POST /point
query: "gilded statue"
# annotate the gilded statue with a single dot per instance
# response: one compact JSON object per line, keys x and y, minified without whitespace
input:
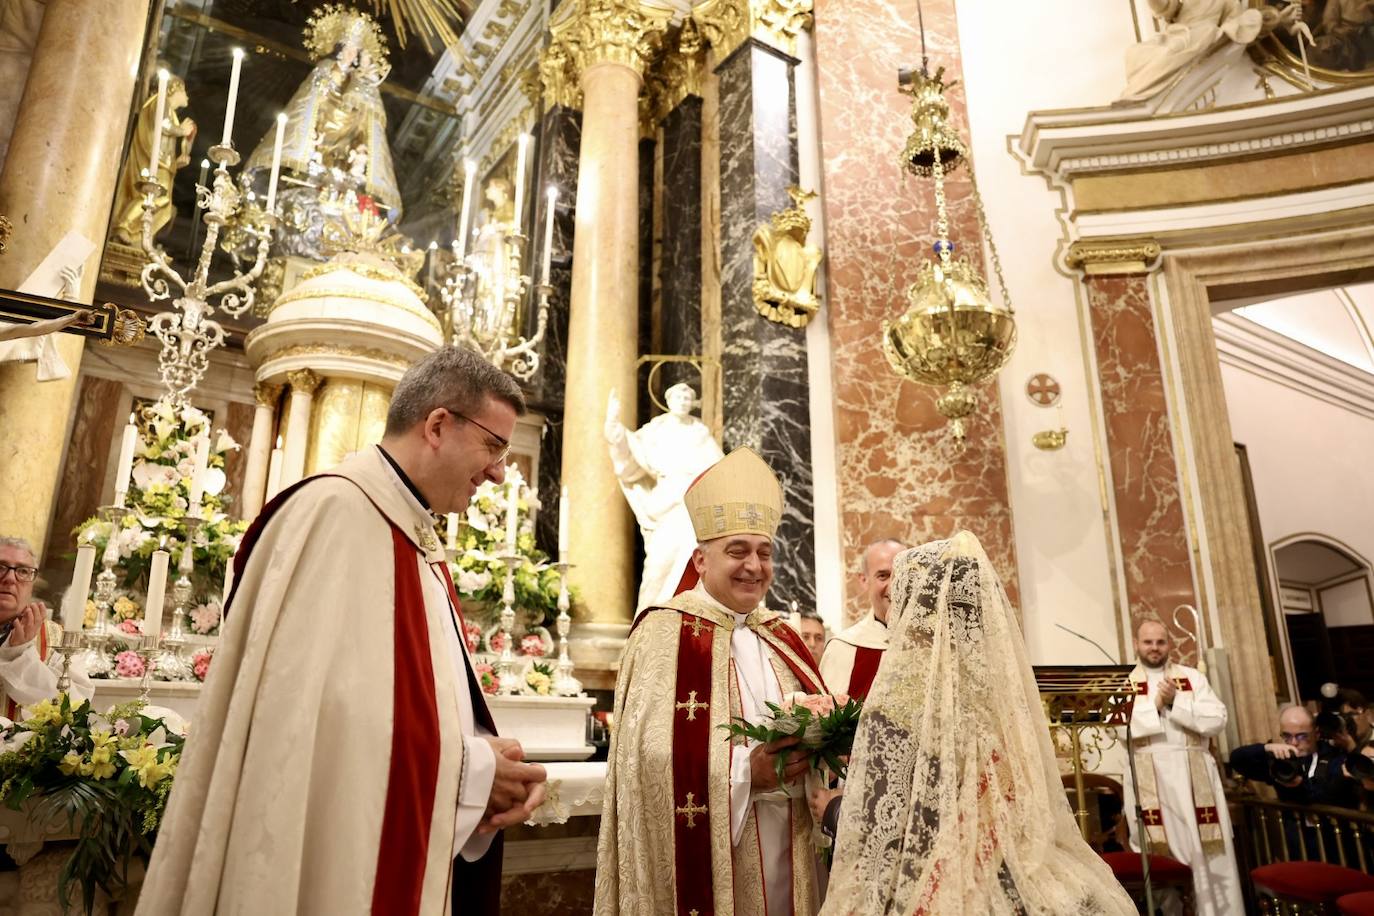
{"x":335,"y":119}
{"x":178,"y":134}
{"x":785,"y":266}
{"x":490,"y":260}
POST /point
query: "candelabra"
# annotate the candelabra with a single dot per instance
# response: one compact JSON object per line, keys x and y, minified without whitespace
{"x":171,"y":661}
{"x":189,"y":332}
{"x":564,"y":684}
{"x":507,"y":680}
{"x":487,"y":323}
{"x":99,"y":636}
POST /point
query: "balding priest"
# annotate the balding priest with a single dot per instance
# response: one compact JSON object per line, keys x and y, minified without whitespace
{"x":342,"y":759}
{"x":692,"y":821}
{"x":851,"y":658}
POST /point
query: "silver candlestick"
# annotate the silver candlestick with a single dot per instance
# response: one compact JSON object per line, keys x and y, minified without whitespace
{"x":508,"y":682}
{"x":564,"y":684}
{"x":172,"y":661}
{"x":72,"y":643}
{"x":147,"y":650}
{"x":98,"y":637}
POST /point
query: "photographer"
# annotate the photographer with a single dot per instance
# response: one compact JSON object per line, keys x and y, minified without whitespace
{"x":1307,"y":768}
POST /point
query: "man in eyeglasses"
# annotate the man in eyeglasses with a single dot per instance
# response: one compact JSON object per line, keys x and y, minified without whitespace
{"x":29,"y":665}
{"x":343,"y":758}
{"x":1301,"y":769}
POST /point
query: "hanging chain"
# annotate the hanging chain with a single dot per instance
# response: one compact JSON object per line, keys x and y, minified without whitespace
{"x":937,"y":172}
{"x":987,"y":234}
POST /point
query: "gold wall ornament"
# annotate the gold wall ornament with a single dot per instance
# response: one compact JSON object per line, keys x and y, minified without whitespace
{"x":1113,"y":256}
{"x":558,"y":78}
{"x":349,"y":351}
{"x":727,"y":24}
{"x":673,"y":76}
{"x":334,"y":24}
{"x":1050,"y":440}
{"x":785,"y":266}
{"x":267,"y":395}
{"x":609,"y":32}
{"x":6,"y":233}
{"x":933,"y":133}
{"x":304,"y":381}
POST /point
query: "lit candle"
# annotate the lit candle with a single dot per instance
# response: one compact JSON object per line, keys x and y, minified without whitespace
{"x":520,"y":179}
{"x":429,"y":271}
{"x":469,"y":173}
{"x":452,"y":539}
{"x":204,"y":173}
{"x":274,"y":470}
{"x":157,"y":592}
{"x":227,"y":139}
{"x":548,"y":234}
{"x":158,"y":111}
{"x":564,"y":519}
{"x":276,"y":161}
{"x":512,"y":512}
{"x":126,"y":461}
{"x":74,"y":606}
{"x":199,"y":467}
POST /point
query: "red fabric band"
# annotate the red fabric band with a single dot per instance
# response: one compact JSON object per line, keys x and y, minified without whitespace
{"x":865,"y":669}
{"x":692,"y":739}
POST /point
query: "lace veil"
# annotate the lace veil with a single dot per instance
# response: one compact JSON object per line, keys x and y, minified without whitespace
{"x":954,"y":802}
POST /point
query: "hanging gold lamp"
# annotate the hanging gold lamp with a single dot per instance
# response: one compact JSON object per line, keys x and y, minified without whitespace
{"x":952,"y":335}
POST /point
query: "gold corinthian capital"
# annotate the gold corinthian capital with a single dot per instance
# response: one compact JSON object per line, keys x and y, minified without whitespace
{"x":727,"y":24}
{"x":593,"y":32}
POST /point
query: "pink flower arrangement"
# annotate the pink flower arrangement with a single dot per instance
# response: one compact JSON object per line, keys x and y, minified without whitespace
{"x":472,"y":634}
{"x":532,"y":646}
{"x":200,"y":665}
{"x":131,"y":626}
{"x":496,"y":641}
{"x":205,"y":618}
{"x":486,"y":676}
{"x":820,"y":704}
{"x":129,"y":664}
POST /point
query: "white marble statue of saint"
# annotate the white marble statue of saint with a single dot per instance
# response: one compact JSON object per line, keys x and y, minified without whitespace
{"x":1197,"y":38}
{"x":655,"y":465}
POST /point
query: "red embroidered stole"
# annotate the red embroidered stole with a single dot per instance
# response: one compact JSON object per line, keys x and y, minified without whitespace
{"x":691,"y":756}
{"x":865,"y":668}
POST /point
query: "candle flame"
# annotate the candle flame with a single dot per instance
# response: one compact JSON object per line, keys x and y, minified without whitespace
{"x":279,"y":442}
{"x":238,"y":53}
{"x":281,"y":117}
{"x":469,"y":167}
{"x":162,"y":74}
{"x":553,"y":194}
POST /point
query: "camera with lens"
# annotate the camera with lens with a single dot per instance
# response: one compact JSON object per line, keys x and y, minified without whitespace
{"x":1285,"y":770}
{"x":1360,"y":766}
{"x":1332,"y":726}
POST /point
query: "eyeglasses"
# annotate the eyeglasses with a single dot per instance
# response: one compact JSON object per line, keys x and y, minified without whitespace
{"x":1300,"y":736}
{"x":21,"y":573}
{"x":498,"y":457}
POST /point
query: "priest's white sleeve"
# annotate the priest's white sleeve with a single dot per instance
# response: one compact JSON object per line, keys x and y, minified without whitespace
{"x":479,"y":771}
{"x":741,"y":782}
{"x":1145,"y":718}
{"x":28,"y":680}
{"x":1199,"y":710}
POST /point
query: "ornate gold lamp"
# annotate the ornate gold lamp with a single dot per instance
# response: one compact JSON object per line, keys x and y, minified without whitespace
{"x":952,"y":334}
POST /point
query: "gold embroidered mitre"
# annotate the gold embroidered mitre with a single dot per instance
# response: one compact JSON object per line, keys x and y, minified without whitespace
{"x":737,"y":495}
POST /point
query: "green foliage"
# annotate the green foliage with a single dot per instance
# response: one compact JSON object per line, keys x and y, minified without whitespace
{"x":826,"y":738}
{"x":103,"y":778}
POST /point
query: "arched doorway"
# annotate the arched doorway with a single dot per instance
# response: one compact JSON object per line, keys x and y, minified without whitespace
{"x":1326,"y":599}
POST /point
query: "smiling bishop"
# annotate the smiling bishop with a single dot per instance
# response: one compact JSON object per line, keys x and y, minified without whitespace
{"x":681,"y":799}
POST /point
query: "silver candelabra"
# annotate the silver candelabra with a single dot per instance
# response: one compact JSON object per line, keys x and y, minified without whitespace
{"x":189,"y":332}
{"x":507,"y":680}
{"x":564,"y":684}
{"x":489,"y":327}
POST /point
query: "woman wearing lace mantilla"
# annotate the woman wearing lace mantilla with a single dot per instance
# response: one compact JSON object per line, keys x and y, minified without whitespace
{"x":954,"y":803}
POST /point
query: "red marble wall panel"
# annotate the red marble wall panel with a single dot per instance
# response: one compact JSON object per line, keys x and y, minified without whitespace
{"x":1140,"y":449}
{"x":238,"y":423}
{"x":83,"y":470}
{"x":899,"y":472}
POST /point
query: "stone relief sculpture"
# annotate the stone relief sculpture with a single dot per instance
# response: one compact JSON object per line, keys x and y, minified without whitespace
{"x":178,"y":134}
{"x":655,"y":465}
{"x":785,"y":266}
{"x":1339,"y":34}
{"x":1197,"y":42}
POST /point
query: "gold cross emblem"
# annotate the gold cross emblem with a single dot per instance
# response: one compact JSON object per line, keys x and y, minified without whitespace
{"x":691,"y":705}
{"x":690,"y":810}
{"x":695,"y":625}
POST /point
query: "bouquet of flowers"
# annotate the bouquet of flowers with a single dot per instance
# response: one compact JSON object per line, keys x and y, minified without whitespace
{"x":107,"y":777}
{"x":825,"y":726}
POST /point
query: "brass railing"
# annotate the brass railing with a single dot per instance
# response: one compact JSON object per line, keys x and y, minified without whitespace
{"x":1274,"y":831}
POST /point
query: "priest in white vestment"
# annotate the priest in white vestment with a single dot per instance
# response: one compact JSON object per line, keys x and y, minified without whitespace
{"x":342,"y":759}
{"x":851,"y":658}
{"x":29,"y":661}
{"x":1175,"y":715}
{"x":693,"y":821}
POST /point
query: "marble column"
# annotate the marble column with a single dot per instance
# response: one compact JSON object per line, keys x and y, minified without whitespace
{"x":303,"y":385}
{"x":260,"y":448}
{"x":59,"y":177}
{"x":680,"y":261}
{"x":603,"y":327}
{"x":763,"y":363}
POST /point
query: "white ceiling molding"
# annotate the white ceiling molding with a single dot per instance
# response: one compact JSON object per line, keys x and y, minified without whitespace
{"x":1253,"y":348}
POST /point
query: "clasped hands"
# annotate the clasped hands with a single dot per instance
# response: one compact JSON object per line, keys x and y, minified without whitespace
{"x":763,"y":764}
{"x":27,"y":623}
{"x":516,"y":790}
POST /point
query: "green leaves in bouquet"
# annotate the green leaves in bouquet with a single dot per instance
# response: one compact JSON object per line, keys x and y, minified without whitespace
{"x":831,"y":744}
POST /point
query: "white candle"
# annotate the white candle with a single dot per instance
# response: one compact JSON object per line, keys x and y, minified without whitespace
{"x":452,"y":531}
{"x":74,"y":606}
{"x":199,"y":467}
{"x":522,"y":149}
{"x":157,"y":592}
{"x":274,"y":470}
{"x":126,"y":461}
{"x":469,"y":174}
{"x":548,"y":234}
{"x":512,"y":511}
{"x":227,"y":139}
{"x":276,"y":161}
{"x":429,"y":271}
{"x":158,"y":111}
{"x":564,"y":519}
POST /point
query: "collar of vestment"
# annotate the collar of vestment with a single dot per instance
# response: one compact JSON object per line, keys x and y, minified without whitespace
{"x":1180,"y":675}
{"x":700,"y":603}
{"x":405,"y":479}
{"x":866,"y":633}
{"x":371,"y":471}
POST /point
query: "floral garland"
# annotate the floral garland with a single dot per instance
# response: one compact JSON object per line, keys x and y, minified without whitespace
{"x":159,"y":496}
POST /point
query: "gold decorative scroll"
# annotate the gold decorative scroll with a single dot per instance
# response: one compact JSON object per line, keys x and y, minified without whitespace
{"x":608,"y":32}
{"x":6,"y":233}
{"x":727,"y":24}
{"x":369,"y":353}
{"x":1113,"y":256}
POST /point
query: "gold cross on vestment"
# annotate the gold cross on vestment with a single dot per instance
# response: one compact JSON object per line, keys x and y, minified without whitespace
{"x":1207,"y":815}
{"x":691,"y":705}
{"x":695,"y":624}
{"x":691,"y":810}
